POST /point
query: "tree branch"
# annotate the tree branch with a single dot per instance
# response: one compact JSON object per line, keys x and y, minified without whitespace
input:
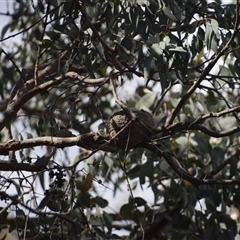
{"x":195,"y":125}
{"x":104,"y":43}
{"x":183,"y":173}
{"x":207,"y":70}
{"x":15,"y":201}
{"x":158,"y":224}
{"x":88,"y":140}
{"x":13,"y":108}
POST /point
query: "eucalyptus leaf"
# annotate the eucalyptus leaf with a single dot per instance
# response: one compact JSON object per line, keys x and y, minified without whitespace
{"x":146,"y":101}
{"x":169,"y":13}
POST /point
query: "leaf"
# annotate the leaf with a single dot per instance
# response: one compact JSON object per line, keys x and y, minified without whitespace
{"x":230,"y":223}
{"x":148,"y":70}
{"x":85,"y":199}
{"x":41,"y":126}
{"x":126,"y":210}
{"x":147,"y":101}
{"x":212,"y":35}
{"x":54,"y":205}
{"x":149,"y":14}
{"x":134,"y":185}
{"x":217,"y":154}
{"x":142,"y":29}
{"x":183,"y":141}
{"x":127,"y":43}
{"x":65,"y":67}
{"x":4,"y":30}
{"x":169,"y":13}
{"x":42,"y":180}
{"x":166,"y":168}
{"x":227,"y":122}
{"x":157,"y":49}
{"x":203,"y":144}
{"x":100,"y":233}
{"x":134,"y":16}
{"x":108,"y":221}
{"x":89,"y":65}
{"x":134,"y":172}
{"x":177,"y":49}
{"x":101,"y":202}
{"x":139,"y":201}
{"x":44,"y":202}
{"x":46,"y":43}
{"x":87,"y":184}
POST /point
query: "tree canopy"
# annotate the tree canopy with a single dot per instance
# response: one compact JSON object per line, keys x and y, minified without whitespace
{"x":120,"y":95}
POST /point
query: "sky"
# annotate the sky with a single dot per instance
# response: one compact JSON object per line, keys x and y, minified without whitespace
{"x":121,"y":196}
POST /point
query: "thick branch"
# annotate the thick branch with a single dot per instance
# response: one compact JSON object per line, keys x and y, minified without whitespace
{"x":179,"y":127}
{"x":183,"y":173}
{"x":93,"y":141}
{"x":90,"y":140}
{"x":13,"y":166}
{"x":13,"y":108}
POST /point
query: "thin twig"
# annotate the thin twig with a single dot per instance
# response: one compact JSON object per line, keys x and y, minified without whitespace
{"x":183,"y":173}
{"x":130,"y":114}
{"x":16,"y":66}
{"x":31,"y":26}
{"x":104,"y":44}
{"x":39,"y":53}
{"x":14,"y":107}
{"x":207,"y":69}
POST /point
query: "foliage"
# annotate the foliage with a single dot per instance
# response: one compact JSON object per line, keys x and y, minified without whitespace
{"x":73,"y":65}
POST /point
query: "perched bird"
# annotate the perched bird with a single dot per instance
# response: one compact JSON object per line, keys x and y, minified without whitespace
{"x":127,"y":133}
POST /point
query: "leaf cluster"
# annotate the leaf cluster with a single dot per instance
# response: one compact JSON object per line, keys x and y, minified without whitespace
{"x":70,"y":67}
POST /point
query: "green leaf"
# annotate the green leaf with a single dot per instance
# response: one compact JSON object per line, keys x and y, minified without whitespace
{"x":183,"y":141}
{"x":134,"y":16}
{"x":166,"y":168}
{"x":217,"y":155}
{"x":108,"y":221}
{"x":46,"y":43}
{"x":142,"y":29}
{"x":85,"y":199}
{"x":127,"y":43}
{"x":169,"y":13}
{"x":177,"y":49}
{"x":44,"y":202}
{"x":203,"y":144}
{"x":134,"y":172}
{"x":230,"y":223}
{"x":212,"y":35}
{"x":42,"y":180}
{"x":134,"y":185}
{"x":147,"y":101}
{"x":139,"y":201}
{"x":100,"y":233}
{"x":54,"y":205}
{"x":149,"y":67}
{"x":126,"y":210}
{"x":157,"y":49}
{"x":41,"y":126}
{"x":4,"y":30}
{"x":227,"y":122}
{"x":101,"y":202}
